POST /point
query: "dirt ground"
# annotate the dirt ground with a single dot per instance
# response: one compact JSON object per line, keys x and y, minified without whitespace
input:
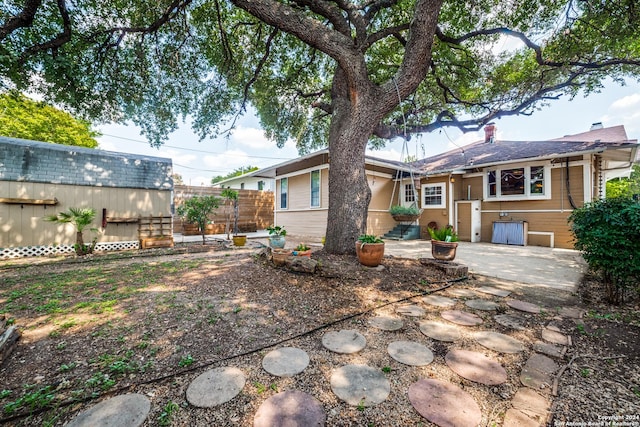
{"x":151,"y":322}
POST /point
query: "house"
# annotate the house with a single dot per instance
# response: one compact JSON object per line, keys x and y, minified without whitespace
{"x":247,"y":181}
{"x":513,"y":192}
{"x":131,"y":194}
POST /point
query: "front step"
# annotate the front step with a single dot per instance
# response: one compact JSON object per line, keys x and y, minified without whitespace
{"x":403,"y":232}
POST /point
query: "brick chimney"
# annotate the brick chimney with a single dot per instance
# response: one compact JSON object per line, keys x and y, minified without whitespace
{"x":489,"y":133}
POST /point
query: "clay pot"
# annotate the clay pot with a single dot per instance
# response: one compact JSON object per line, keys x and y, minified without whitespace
{"x":370,"y":254}
{"x":443,"y":251}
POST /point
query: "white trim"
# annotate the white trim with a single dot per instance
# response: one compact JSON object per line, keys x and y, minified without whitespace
{"x":279,"y":194}
{"x":526,"y":211}
{"x":443,"y":203}
{"x":451,"y":204}
{"x":527,"y":184}
{"x":379,"y":174}
{"x":473,"y":175}
{"x":586,"y":182}
{"x":319,"y":189}
{"x":305,"y":210}
{"x":551,"y":235}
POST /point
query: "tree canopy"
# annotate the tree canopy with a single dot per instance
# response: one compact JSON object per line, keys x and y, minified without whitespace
{"x":22,"y":117}
{"x":337,"y":73}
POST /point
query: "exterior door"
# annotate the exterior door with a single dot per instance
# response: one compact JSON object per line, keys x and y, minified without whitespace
{"x":468,"y":220}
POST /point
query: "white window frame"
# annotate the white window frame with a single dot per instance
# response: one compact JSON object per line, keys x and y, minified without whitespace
{"x":527,"y":195}
{"x":443,"y":193}
{"x":318,"y":171}
{"x":286,"y":200}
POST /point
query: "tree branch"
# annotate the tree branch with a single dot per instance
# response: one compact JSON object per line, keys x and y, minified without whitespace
{"x":21,"y":20}
{"x":330,"y":12}
{"x":56,"y":42}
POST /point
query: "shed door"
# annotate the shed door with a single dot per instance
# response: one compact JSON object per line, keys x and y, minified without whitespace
{"x":468,"y":220}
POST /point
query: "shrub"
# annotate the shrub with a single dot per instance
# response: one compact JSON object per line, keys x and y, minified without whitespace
{"x":404,"y":210}
{"x":608,"y":234}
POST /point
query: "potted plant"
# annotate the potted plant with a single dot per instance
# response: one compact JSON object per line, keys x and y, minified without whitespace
{"x":370,"y":250}
{"x":276,"y":236}
{"x":302,"y":250}
{"x":404,"y":213}
{"x":444,"y":242}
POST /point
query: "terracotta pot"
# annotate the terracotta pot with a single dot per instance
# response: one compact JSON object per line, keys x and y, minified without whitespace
{"x":277,"y":241}
{"x":444,"y":251}
{"x":279,"y":256}
{"x":370,"y":254}
{"x":239,"y":240}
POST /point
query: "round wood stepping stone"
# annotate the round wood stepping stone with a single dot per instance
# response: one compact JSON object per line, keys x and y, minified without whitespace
{"x":463,"y":293}
{"x":215,"y":387}
{"x":498,"y":342}
{"x":386,"y":323}
{"x":510,"y":321}
{"x":285,"y":362}
{"x":290,"y":408}
{"x":571,"y":312}
{"x":524,"y":306}
{"x":482,"y":304}
{"x":531,"y":404}
{"x":440,"y":331}
{"x":346,"y":341}
{"x":360,"y":385}
{"x":444,"y":404}
{"x":410,"y":353}
{"x":554,"y":337}
{"x":411,"y":310}
{"x":494,"y":291}
{"x":124,"y":410}
{"x":439,"y":301}
{"x":461,"y":317}
{"x":476,"y":367}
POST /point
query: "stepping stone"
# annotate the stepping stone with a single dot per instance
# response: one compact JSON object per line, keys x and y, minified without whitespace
{"x":386,"y":323}
{"x":461,"y":317}
{"x":494,"y":291}
{"x":516,"y":418}
{"x":439,"y":301}
{"x":481,"y":304}
{"x":531,"y":404}
{"x":215,"y":387}
{"x":290,"y":408}
{"x":476,"y":367}
{"x":444,"y":404}
{"x":285,"y":362}
{"x":498,"y":342}
{"x":124,"y":410}
{"x":463,"y":293}
{"x":571,"y":312}
{"x":554,"y":337}
{"x":511,"y":321}
{"x":411,"y":310}
{"x":549,"y":349}
{"x":440,"y":331}
{"x":360,"y":385}
{"x":410,"y":353}
{"x":346,"y":341}
{"x":524,"y":306}
{"x":538,"y":372}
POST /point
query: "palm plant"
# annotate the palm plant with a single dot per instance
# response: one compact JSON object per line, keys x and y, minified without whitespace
{"x":79,"y":218}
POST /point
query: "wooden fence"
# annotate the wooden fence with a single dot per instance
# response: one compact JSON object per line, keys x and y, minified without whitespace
{"x":255,"y":210}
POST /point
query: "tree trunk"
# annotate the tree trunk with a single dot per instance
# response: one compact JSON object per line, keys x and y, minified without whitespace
{"x":80,"y":244}
{"x":349,"y":194}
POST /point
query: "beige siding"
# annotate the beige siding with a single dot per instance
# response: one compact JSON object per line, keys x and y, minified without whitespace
{"x":23,"y":225}
{"x":304,"y":223}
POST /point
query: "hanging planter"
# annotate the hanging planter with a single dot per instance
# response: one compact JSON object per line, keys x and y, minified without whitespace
{"x":404,"y":213}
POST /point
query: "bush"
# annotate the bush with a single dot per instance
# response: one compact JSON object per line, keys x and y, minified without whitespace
{"x":404,"y":210}
{"x":608,"y":234}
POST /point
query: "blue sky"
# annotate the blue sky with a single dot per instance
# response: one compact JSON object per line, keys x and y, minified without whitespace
{"x":199,"y":161}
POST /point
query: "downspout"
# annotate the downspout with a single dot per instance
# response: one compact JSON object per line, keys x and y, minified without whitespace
{"x":451,"y":213}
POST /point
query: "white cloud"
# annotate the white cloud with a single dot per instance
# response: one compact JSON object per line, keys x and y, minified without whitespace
{"x":252,"y":138}
{"x":227,"y":161}
{"x":626,"y":102}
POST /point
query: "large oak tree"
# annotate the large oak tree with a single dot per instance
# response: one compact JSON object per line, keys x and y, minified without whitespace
{"x":342,"y":73}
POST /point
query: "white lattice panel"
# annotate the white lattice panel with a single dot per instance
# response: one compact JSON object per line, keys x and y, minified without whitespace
{"x":34,"y":251}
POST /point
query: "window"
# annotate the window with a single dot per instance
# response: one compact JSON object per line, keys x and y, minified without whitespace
{"x":284,"y":189}
{"x":261,"y":185}
{"x":434,"y":196}
{"x":409,"y":195}
{"x":315,"y":189}
{"x":518,"y":183}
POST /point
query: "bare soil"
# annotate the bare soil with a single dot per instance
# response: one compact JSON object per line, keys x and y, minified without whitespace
{"x":151,"y":322}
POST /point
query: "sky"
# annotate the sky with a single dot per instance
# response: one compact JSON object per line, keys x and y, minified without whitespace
{"x":199,"y":161}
